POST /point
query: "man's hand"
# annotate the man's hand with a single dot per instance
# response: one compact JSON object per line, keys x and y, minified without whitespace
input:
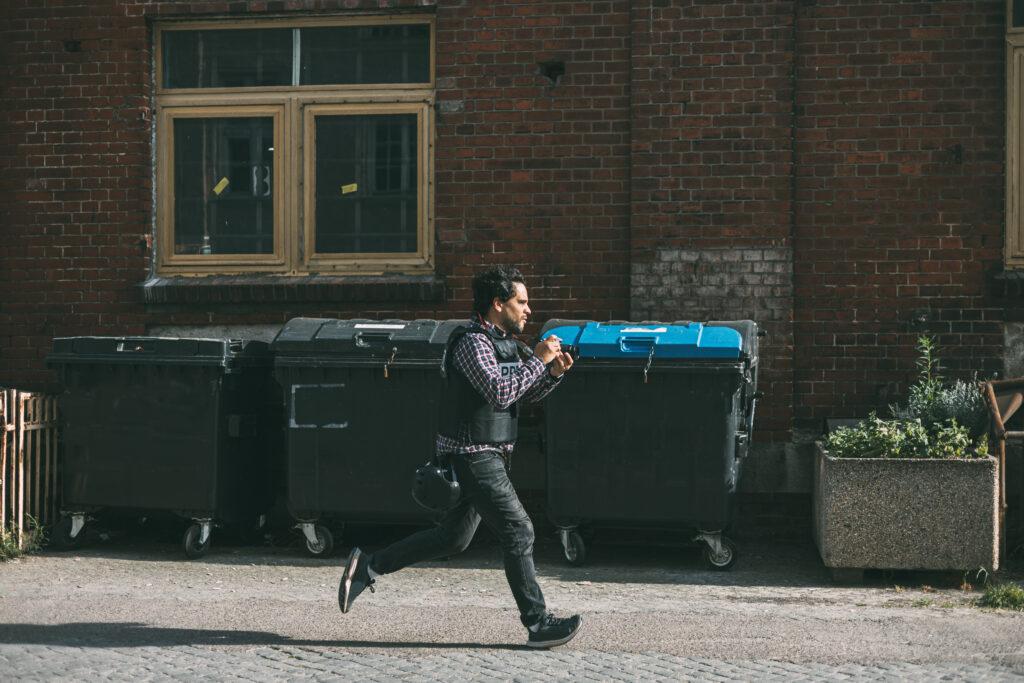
{"x":548,"y":349}
{"x":561,"y":363}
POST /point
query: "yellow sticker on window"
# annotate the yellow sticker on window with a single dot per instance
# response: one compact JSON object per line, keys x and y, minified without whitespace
{"x":219,"y":187}
{"x":345,"y":189}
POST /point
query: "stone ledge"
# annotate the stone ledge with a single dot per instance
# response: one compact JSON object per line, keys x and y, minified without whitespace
{"x":1007,"y":283}
{"x":268,"y":288}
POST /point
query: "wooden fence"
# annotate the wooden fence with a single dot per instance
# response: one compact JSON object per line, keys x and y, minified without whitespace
{"x":28,"y":462}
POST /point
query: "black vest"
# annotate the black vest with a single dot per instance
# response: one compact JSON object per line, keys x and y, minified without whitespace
{"x":461,"y":404}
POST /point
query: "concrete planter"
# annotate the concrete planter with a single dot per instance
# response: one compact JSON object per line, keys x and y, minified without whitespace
{"x":879,"y":513}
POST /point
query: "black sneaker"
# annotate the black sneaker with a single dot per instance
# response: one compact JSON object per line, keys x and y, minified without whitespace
{"x":355,"y":579}
{"x":554,"y":631}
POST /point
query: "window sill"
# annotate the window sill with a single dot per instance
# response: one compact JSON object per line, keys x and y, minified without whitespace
{"x":267,"y":288}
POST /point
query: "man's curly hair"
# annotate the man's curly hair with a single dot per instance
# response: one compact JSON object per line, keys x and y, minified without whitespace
{"x":495,"y":283}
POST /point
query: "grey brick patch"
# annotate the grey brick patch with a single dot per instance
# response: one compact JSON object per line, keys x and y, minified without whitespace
{"x":713,"y":284}
{"x":149,"y":663}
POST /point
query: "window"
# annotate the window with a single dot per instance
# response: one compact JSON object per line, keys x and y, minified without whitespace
{"x":1013,"y":253}
{"x":295,"y":147}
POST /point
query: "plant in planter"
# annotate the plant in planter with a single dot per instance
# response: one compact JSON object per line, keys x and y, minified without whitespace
{"x":916,"y":491}
{"x":935,"y":402}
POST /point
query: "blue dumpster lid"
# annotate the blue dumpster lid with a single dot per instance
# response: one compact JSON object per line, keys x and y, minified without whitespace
{"x":628,"y":340}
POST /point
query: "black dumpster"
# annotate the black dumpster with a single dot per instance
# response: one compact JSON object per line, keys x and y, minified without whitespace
{"x":649,"y":429}
{"x":186,"y":426}
{"x":361,"y":413}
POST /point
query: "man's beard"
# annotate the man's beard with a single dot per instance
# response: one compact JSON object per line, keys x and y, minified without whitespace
{"x":513,"y":324}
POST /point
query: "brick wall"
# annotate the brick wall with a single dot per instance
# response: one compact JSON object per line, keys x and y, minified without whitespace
{"x":711,"y":176}
{"x":526,"y":172}
{"x":75,"y":186}
{"x":829,"y":168}
{"x":899,"y":195}
{"x":532,"y":172}
{"x":720,"y":283}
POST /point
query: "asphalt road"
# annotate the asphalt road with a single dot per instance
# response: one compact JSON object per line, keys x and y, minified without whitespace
{"x":137,"y":609}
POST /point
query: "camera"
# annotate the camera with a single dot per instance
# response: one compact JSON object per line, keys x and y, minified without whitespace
{"x":570,"y":349}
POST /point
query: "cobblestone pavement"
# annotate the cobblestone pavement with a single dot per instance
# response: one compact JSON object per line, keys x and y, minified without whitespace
{"x":191,"y":663}
{"x":140,"y":611}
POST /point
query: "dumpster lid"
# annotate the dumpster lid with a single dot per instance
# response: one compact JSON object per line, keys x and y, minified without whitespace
{"x":664,"y":340}
{"x":158,"y":350}
{"x":363,"y":339}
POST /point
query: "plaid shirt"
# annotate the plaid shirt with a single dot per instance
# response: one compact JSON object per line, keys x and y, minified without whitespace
{"x":474,"y":357}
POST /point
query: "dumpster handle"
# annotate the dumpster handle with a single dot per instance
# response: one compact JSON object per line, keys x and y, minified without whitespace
{"x":634,"y":344}
{"x":364,"y":339}
{"x":757,"y":395}
{"x":394,"y":352}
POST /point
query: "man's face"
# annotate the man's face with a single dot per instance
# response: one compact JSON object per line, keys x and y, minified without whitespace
{"x":515,"y":311}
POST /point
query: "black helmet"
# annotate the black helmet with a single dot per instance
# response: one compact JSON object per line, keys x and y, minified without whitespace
{"x":432,"y":488}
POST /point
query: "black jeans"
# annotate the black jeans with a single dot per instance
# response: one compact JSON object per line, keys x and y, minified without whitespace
{"x":487,"y":494}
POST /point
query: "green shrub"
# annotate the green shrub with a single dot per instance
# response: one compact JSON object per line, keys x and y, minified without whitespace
{"x":965,"y":403}
{"x":939,"y":421}
{"x":924,"y":394}
{"x":878,"y":438}
{"x":935,"y":403}
{"x":13,"y":544}
{"x":1003,"y":596}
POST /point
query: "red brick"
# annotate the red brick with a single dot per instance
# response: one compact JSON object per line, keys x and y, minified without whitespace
{"x":741,"y":125}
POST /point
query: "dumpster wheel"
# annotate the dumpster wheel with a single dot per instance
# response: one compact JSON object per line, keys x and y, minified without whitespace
{"x":722,"y":557}
{"x":323,"y":546}
{"x":573,"y":547}
{"x":193,"y":541}
{"x":66,"y":536}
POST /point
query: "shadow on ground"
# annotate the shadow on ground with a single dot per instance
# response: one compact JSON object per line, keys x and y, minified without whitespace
{"x":127,"y":634}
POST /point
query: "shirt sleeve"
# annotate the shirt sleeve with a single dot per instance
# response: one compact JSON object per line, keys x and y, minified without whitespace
{"x":474,"y":358}
{"x":544,"y":385}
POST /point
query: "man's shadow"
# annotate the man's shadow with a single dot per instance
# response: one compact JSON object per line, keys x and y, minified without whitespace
{"x":127,"y":634}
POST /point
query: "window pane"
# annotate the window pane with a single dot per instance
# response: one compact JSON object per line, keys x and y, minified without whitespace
{"x":366,"y":184}
{"x":223,"y":185}
{"x":227,"y":59}
{"x":1018,"y":13}
{"x":343,"y":55}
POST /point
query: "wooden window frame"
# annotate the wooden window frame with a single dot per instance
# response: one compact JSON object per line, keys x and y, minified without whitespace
{"x":294,"y":109}
{"x":165,"y":180}
{"x":1009,"y":18}
{"x":1013,"y":254}
{"x":1013,"y":247}
{"x":367,"y":260}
